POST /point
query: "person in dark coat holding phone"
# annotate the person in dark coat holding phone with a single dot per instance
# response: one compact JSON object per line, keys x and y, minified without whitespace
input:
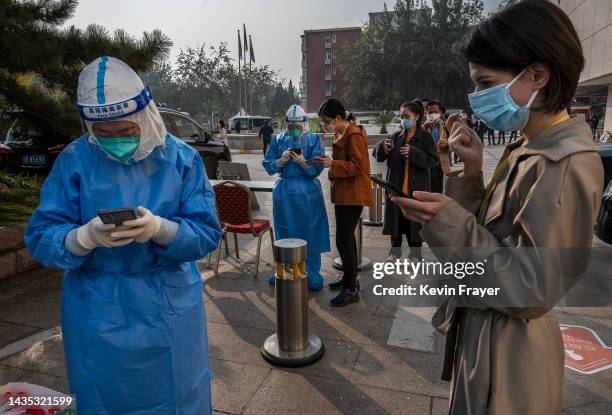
{"x":409,"y":154}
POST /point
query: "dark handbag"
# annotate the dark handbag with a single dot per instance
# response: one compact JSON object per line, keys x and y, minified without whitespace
{"x":603,"y":226}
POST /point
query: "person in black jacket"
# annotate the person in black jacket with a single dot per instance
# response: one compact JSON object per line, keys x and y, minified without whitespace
{"x":410,"y":154}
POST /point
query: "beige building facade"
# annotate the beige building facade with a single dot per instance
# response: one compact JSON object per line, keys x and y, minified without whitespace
{"x":593,"y":22}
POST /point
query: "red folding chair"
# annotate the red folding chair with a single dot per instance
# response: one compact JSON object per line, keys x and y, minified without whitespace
{"x":234,"y":210}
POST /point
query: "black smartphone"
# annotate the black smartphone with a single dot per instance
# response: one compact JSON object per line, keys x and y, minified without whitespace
{"x":117,"y":216}
{"x":297,"y":150}
{"x":389,"y":187}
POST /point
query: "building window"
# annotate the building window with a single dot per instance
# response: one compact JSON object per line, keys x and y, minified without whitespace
{"x":328,"y":58}
{"x":334,"y":70}
{"x":334,"y":86}
{"x":328,"y":70}
{"x":334,"y":54}
{"x":333,"y":38}
{"x":328,"y":86}
{"x":327,"y":39}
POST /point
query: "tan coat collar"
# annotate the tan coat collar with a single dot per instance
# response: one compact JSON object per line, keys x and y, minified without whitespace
{"x":558,"y":142}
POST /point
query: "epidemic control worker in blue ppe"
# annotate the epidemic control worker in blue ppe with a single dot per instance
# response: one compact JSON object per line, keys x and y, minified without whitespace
{"x":133,"y":320}
{"x":298,"y":206}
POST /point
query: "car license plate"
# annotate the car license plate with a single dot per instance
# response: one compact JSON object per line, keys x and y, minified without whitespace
{"x":34,"y":160}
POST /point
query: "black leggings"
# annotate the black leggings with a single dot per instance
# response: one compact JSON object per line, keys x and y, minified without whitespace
{"x":347,"y":219}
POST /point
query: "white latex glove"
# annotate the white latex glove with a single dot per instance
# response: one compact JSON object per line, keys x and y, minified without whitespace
{"x":96,"y":234}
{"x":143,"y":229}
{"x":300,"y":160}
{"x":284,"y":158}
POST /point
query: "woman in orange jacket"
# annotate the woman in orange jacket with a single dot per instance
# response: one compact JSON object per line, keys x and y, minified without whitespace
{"x":350,"y":191}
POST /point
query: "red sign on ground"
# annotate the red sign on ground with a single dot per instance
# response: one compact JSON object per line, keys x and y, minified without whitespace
{"x":584,"y":350}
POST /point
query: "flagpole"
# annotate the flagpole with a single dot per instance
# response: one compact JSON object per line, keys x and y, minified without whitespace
{"x":246,"y":78}
{"x":239,"y":73}
{"x":250,"y":70}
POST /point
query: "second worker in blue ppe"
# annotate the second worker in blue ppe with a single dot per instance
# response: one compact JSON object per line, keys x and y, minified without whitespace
{"x":298,"y":204}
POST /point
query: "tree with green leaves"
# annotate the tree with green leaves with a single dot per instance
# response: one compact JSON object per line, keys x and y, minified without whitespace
{"x":383,"y":118}
{"x":283,"y":98}
{"x":41,"y":60}
{"x":204,"y":81}
{"x":411,"y":52}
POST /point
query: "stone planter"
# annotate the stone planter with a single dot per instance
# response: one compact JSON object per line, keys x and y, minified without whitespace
{"x":14,"y":256}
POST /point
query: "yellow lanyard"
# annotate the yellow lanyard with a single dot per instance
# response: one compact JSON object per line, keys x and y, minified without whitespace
{"x":339,"y":137}
{"x":500,"y":169}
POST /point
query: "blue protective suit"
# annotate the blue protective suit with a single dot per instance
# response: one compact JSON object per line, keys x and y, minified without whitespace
{"x":298,"y":205}
{"x":133,"y":320}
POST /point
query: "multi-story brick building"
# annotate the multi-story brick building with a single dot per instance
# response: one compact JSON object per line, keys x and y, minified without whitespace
{"x":321,"y":74}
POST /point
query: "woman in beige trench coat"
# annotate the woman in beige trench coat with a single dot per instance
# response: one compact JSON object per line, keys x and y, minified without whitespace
{"x":505,"y":356}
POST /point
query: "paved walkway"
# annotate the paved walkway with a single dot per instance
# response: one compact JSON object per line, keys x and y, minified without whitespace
{"x":381,"y":356}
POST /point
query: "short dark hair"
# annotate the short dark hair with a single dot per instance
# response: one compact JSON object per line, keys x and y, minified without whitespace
{"x":531,"y":31}
{"x":434,"y":103}
{"x":422,"y":99}
{"x":222,"y":123}
{"x":416,"y":107}
{"x":333,"y":108}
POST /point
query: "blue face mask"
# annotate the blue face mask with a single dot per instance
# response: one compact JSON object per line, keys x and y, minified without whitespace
{"x":121,"y":148}
{"x":407,"y":123}
{"x":496,"y":108}
{"x":295,"y":132}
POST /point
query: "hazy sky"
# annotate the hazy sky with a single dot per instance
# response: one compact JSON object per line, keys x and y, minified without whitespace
{"x":275,"y":25}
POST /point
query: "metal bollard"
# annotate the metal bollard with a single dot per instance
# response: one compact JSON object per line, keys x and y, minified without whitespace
{"x":291,"y":345}
{"x":375,"y":213}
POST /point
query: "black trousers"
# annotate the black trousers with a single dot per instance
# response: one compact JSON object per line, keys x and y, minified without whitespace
{"x":404,"y":229}
{"x":437,"y":179}
{"x":490,"y":136}
{"x":347,"y":218}
{"x":501,"y":137}
{"x":265,"y":147}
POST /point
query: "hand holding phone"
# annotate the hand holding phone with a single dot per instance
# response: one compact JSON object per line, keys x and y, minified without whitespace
{"x":324,"y":160}
{"x":391,"y":189}
{"x":118,"y":215}
{"x":388,"y":145}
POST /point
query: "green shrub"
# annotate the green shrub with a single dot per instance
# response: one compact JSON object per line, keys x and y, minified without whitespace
{"x":21,"y":198}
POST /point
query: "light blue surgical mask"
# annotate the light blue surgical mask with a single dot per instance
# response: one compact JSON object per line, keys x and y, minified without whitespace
{"x":407,"y":123}
{"x":496,"y":108}
{"x":295,"y":132}
{"x":121,"y":148}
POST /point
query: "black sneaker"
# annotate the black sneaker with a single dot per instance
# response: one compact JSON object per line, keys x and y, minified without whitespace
{"x":345,"y":298}
{"x":337,"y":286}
